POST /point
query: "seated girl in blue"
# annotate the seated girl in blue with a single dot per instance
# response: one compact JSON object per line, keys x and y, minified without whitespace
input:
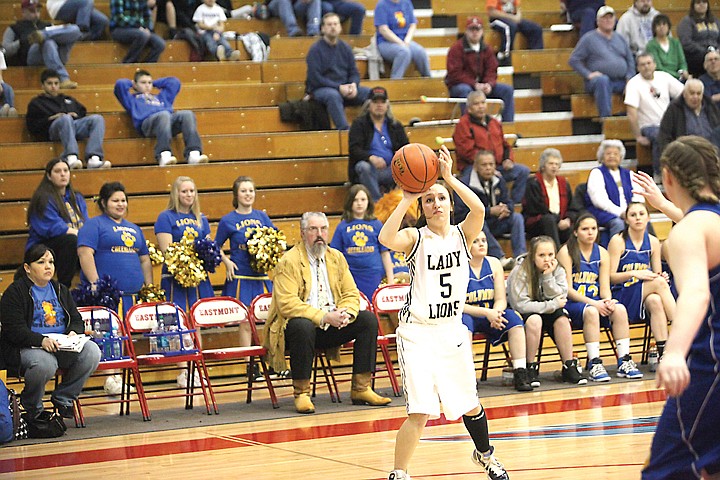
{"x":110,"y":245}
{"x":486,"y":310}
{"x":638,"y":281}
{"x":183,"y":214}
{"x":587,"y":266}
{"x":356,"y":236}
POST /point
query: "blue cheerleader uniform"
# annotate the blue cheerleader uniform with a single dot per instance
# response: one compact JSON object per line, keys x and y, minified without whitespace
{"x":358,"y":242}
{"x":176,"y":223}
{"x":586,"y":282}
{"x":630,"y":292}
{"x":247,"y":283}
{"x":481,"y":293}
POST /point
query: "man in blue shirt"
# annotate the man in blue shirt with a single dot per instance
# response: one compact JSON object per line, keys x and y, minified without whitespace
{"x":711,"y":77}
{"x":332,"y":76}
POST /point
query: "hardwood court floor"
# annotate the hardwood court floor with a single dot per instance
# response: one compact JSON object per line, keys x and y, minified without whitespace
{"x":595,"y":432}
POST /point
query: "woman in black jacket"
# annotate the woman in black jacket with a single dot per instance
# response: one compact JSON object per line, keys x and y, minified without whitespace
{"x":33,"y":306}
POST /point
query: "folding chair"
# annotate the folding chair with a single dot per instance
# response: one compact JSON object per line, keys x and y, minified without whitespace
{"x":142,"y":319}
{"x":223,"y":312}
{"x":122,"y":358}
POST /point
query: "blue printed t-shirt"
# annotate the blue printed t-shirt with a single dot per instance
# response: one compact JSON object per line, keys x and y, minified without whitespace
{"x":118,"y":247}
{"x":397,"y":16}
{"x":176,"y":223}
{"x":48,"y":314}
{"x":381,"y":145}
{"x":358,"y":241}
{"x":233,"y":226}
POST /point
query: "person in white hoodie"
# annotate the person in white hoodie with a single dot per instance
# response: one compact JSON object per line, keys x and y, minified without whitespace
{"x":635,"y":25}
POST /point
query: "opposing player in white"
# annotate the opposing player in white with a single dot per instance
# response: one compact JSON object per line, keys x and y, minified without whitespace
{"x":435,"y":353}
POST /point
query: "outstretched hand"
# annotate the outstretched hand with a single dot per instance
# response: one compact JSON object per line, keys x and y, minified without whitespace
{"x":648,"y":188}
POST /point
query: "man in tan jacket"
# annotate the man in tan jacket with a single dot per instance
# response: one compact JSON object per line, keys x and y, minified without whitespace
{"x":315,"y":304}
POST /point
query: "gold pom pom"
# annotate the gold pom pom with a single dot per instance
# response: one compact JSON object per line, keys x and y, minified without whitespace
{"x":265,"y":246}
{"x":156,"y":256}
{"x":387,"y":204}
{"x":183,"y":263}
{"x":151,"y":293}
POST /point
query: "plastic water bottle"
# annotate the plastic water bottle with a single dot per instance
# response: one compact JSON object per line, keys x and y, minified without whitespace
{"x":653,"y":357}
{"x":174,"y":339}
{"x":116,"y":343}
{"x":162,"y":339}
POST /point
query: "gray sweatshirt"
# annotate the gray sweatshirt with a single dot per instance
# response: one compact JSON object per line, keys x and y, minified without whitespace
{"x":552,"y":286}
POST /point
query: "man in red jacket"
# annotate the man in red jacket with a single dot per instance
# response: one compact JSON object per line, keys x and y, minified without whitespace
{"x":477,"y":131}
{"x":472,"y":66}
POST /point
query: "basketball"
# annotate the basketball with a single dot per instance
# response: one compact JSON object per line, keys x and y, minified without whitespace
{"x":415,"y":167}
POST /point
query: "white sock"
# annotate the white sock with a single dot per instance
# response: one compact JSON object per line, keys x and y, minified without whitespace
{"x":194,"y":154}
{"x":71,"y":158}
{"x":166,"y":154}
{"x":593,"y":350}
{"x":519,"y":363}
{"x":623,"y":346}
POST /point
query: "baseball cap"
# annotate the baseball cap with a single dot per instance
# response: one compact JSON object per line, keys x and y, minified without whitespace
{"x":473,"y":22}
{"x":378,"y":93}
{"x":30,"y":4}
{"x":604,"y":10}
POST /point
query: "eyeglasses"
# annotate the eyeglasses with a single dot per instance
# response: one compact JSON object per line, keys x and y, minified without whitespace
{"x":317,"y":230}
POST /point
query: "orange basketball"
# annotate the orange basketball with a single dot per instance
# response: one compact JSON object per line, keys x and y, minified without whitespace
{"x":415,"y":167}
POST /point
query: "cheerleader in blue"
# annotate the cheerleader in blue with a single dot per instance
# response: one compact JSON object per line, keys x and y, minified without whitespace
{"x":587,"y":266}
{"x":183,"y":213}
{"x":638,"y":281}
{"x":686,"y":440}
{"x":356,"y":236}
{"x":486,"y":310}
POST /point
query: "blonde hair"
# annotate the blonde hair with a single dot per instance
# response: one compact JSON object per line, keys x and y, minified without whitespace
{"x":694,"y":162}
{"x":174,"y":201}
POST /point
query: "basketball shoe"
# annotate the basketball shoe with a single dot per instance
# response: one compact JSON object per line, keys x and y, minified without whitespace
{"x":398,"y":475}
{"x":628,"y":369}
{"x":493,"y":468}
{"x":596,"y":371}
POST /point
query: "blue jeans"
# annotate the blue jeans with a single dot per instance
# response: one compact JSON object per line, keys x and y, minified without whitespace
{"x":138,"y":40}
{"x":586,"y":18}
{"x":373,"y":178}
{"x":352,"y":10}
{"x":212,"y":45}
{"x":165,"y":125}
{"x":288,"y":15}
{"x":83,"y":14}
{"x":38,"y":367}
{"x":507,"y":30}
{"x":501,"y":90}
{"x":68,"y":130}
{"x":652,"y":132}
{"x":8,"y":94}
{"x":55,"y":50}
{"x":518,"y":174}
{"x":402,"y":55}
{"x":335,"y":103}
{"x":514,"y":225}
{"x":602,"y":88}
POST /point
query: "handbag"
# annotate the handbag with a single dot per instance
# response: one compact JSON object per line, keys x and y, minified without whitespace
{"x":45,"y":425}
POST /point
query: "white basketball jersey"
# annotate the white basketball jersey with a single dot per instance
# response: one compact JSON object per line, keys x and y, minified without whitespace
{"x":439,"y":273}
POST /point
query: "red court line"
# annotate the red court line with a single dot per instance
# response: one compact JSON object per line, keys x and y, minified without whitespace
{"x":309,"y":433}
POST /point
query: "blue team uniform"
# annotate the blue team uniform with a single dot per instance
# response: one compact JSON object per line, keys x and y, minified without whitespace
{"x":686,"y":439}
{"x":247,"y":283}
{"x":481,"y":293}
{"x":586,"y":281}
{"x":118,"y":248}
{"x":176,"y":223}
{"x":630,"y":293}
{"x":358,"y":242}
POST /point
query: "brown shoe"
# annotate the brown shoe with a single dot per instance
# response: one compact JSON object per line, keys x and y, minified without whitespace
{"x":68,"y":84}
{"x":362,"y":394}
{"x":301,"y":392}
{"x":36,"y":37}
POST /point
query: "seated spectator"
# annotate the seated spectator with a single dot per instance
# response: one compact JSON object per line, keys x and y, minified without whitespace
{"x":690,"y":114}
{"x":396,"y":24}
{"x":82,"y":13}
{"x":58,"y":117}
{"x":506,"y":19}
{"x":647,"y":96}
{"x":500,"y":216}
{"x":374,"y":138}
{"x":478,"y":131}
{"x":131,"y":24}
{"x":153,"y":116}
{"x":315,"y":304}
{"x":472,"y":66}
{"x":354,"y":11}
{"x":7,"y":94}
{"x":55,"y":214}
{"x":33,"y":306}
{"x":486,"y":310}
{"x":698,"y":32}
{"x":711,"y":77}
{"x":29,"y":42}
{"x":290,"y":10}
{"x":538,"y":290}
{"x":177,"y":14}
{"x":332,"y":76}
{"x":547,"y":198}
{"x":666,"y":49}
{"x":582,"y":12}
{"x":210,"y":21}
{"x":635,"y":25}
{"x":604,"y":61}
{"x":609,"y":188}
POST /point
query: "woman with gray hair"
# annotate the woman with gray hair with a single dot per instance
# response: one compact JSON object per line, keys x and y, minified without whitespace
{"x":546,"y":201}
{"x":609,"y":189}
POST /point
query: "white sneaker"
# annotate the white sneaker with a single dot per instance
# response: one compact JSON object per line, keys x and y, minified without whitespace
{"x":166,"y":158}
{"x":220,"y":53}
{"x":113,"y":386}
{"x":398,"y":475}
{"x":97,"y":162}
{"x":195,"y":157}
{"x":182,"y":379}
{"x":493,"y":468}
{"x":235,"y":55}
{"x":73,"y":162}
